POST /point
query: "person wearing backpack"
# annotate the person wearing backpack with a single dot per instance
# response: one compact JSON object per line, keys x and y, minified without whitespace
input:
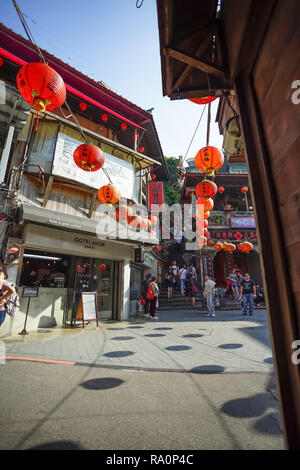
{"x":6,"y":291}
{"x":152,"y":295}
{"x":189,"y":287}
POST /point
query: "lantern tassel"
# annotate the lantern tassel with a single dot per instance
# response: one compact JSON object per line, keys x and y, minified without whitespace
{"x":36,"y":123}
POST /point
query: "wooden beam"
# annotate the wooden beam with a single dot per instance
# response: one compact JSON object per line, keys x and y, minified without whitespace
{"x":93,"y":200}
{"x":277,"y":283}
{"x":192,"y":61}
{"x":48,"y":190}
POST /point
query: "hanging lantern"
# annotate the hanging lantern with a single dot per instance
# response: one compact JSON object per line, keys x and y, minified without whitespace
{"x":202,"y":241}
{"x":218,"y":246}
{"x":1,"y":61}
{"x":123,"y":211}
{"x":109,"y":193}
{"x":228,"y":207}
{"x":141,"y":149}
{"x":124,"y":126}
{"x":244,"y":189}
{"x":157,"y":249}
{"x":102,"y":267}
{"x":229,"y":247}
{"x":89,"y":157}
{"x":210,"y":243}
{"x":82,"y":106}
{"x":153,"y":220}
{"x":134,"y":221}
{"x":153,"y":176}
{"x":201,"y":223}
{"x":206,"y":214}
{"x":206,"y":189}
{"x":209,"y":159}
{"x":144,"y":223}
{"x":220,"y":190}
{"x":41,"y":86}
{"x":245,"y":247}
{"x":104,"y":117}
{"x":207,"y":202}
{"x":204,"y":100}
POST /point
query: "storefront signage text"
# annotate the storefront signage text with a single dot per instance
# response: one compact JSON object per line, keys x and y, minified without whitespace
{"x":87,"y":243}
{"x":232,"y":235}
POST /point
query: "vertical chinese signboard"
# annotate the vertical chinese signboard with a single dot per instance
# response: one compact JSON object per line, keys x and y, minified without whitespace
{"x":155,"y":193}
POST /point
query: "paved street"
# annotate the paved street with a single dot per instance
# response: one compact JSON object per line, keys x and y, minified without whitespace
{"x":182,"y":382}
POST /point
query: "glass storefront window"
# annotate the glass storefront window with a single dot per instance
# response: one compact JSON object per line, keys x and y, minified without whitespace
{"x":135,"y":283}
{"x":45,"y":269}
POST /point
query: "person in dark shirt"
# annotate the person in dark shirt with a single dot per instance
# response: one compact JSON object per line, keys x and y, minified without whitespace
{"x":30,"y":279}
{"x":248,"y":293}
{"x":146,"y":283}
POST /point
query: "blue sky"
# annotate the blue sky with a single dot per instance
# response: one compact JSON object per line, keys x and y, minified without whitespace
{"x":113,"y":41}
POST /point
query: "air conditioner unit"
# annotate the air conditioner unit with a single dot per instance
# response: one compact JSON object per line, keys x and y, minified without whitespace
{"x":233,"y":142}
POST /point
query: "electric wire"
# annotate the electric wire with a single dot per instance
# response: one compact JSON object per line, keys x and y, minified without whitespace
{"x":194,"y":134}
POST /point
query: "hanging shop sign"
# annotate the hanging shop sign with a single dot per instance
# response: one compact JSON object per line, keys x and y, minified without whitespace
{"x":155,"y":193}
{"x":139,"y":255}
{"x":234,"y":235}
{"x":242,"y":222}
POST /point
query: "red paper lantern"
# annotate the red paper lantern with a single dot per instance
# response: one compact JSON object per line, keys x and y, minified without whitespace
{"x":157,"y":249}
{"x":245,"y":247}
{"x":104,"y":117}
{"x":206,"y":214}
{"x":207,"y":202}
{"x":41,"y":86}
{"x":123,"y":211}
{"x":141,"y":149}
{"x":1,"y":61}
{"x":206,"y":189}
{"x":204,"y":100}
{"x":202,"y":241}
{"x":209,"y":159}
{"x":230,"y":247}
{"x":124,"y":126}
{"x":153,"y":176}
{"x":210,"y":243}
{"x":102,"y":267}
{"x":89,"y":157}
{"x":221,"y":190}
{"x":134,"y":220}
{"x":82,"y":106}
{"x":218,"y":246}
{"x":201,"y":223}
{"x":109,"y":193}
{"x":244,"y":189}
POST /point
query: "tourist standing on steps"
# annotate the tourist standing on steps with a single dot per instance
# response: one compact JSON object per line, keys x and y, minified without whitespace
{"x":182,"y":276}
{"x":170,"y":284}
{"x":152,"y":295}
{"x":234,"y":282}
{"x":208,"y":294}
{"x":248,"y":291}
{"x":175,"y":271}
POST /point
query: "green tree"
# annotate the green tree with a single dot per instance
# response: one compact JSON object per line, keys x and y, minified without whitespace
{"x":172,"y":194}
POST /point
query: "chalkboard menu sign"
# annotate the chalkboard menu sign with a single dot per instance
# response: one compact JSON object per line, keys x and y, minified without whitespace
{"x":87,"y":308}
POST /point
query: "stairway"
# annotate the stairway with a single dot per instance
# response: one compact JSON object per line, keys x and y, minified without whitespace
{"x":178,"y":300}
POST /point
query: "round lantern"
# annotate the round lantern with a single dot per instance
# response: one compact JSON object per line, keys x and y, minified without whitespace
{"x":141,"y":149}
{"x":220,"y":190}
{"x":206,"y":189}
{"x":202,"y":241}
{"x":204,"y":100}
{"x":89,"y":157}
{"x":109,"y":193}
{"x":228,"y":207}
{"x":245,"y":247}
{"x":123,"y":211}
{"x":124,"y":126}
{"x":102,"y":267}
{"x":209,"y":159}
{"x":144,"y":223}
{"x":244,"y":189}
{"x":206,"y":214}
{"x":153,"y":220}
{"x":41,"y":86}
{"x":134,"y":220}
{"x":157,"y":249}
{"x":82,"y":106}
{"x":229,"y":247}
{"x":104,"y":117}
{"x":210,"y":243}
{"x":218,"y":246}
{"x":153,"y":176}
{"x":207,"y":202}
{"x":1,"y":61}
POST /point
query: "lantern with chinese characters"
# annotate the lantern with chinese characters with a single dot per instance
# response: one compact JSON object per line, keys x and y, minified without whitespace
{"x":82,"y":106}
{"x":102,"y":267}
{"x":244,"y":189}
{"x":218,"y":246}
{"x":245,"y":247}
{"x":207,"y":202}
{"x":109,"y":193}
{"x":124,"y":126}
{"x":89,"y":157}
{"x":204,"y":100}
{"x":123,"y":211}
{"x":41,"y":86}
{"x":209,"y":159}
{"x":206,"y":189}
{"x":104,"y":117}
{"x":220,"y":190}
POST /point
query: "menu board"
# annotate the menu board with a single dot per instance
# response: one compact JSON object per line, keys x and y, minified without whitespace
{"x":87,"y":308}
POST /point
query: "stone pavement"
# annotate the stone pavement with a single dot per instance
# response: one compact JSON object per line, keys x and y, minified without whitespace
{"x":178,"y":341}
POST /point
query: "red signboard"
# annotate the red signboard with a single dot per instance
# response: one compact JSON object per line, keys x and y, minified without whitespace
{"x":155,"y":193}
{"x":234,"y":235}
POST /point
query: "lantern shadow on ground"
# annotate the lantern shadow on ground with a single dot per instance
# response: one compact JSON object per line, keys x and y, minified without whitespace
{"x":119,"y":354}
{"x":122,"y":338}
{"x":269,"y":360}
{"x":163,"y":328}
{"x":249,"y":407}
{"x":208,"y":369}
{"x":134,"y":327}
{"x":178,"y":348}
{"x":102,"y":384}
{"x":57,"y":445}
{"x":230,"y":346}
{"x":192,"y":335}
{"x":268,"y":424}
{"x":155,"y":335}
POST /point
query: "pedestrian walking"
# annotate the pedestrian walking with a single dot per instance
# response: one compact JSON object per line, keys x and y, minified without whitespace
{"x":152,"y":295}
{"x":175,"y":271}
{"x":170,"y":283}
{"x":6,"y":291}
{"x":146,"y":283}
{"x":208,"y":294}
{"x":182,"y":277}
{"x":189,"y":287}
{"x":248,"y":291}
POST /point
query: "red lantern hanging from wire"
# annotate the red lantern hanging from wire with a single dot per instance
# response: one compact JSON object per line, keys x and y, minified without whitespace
{"x":244,"y":189}
{"x":153,"y":220}
{"x":124,"y":126}
{"x":157,"y":249}
{"x":206,"y":188}
{"x":245,"y":247}
{"x":153,"y":176}
{"x":102,"y":267}
{"x":82,"y":106}
{"x":109,"y":193}
{"x":1,"y":61}
{"x":218,"y":246}
{"x":209,"y":159}
{"x":141,"y":149}
{"x":123,"y":211}
{"x":89,"y":157}
{"x":204,"y":100}
{"x":41,"y":86}
{"x":220,"y":190}
{"x":207,"y":202}
{"x":104,"y":117}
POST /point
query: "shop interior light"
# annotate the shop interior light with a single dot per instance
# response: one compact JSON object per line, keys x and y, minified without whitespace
{"x":41,"y":257}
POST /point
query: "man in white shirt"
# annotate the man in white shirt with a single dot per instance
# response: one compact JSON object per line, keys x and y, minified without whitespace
{"x":182,"y":277}
{"x":208,"y":294}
